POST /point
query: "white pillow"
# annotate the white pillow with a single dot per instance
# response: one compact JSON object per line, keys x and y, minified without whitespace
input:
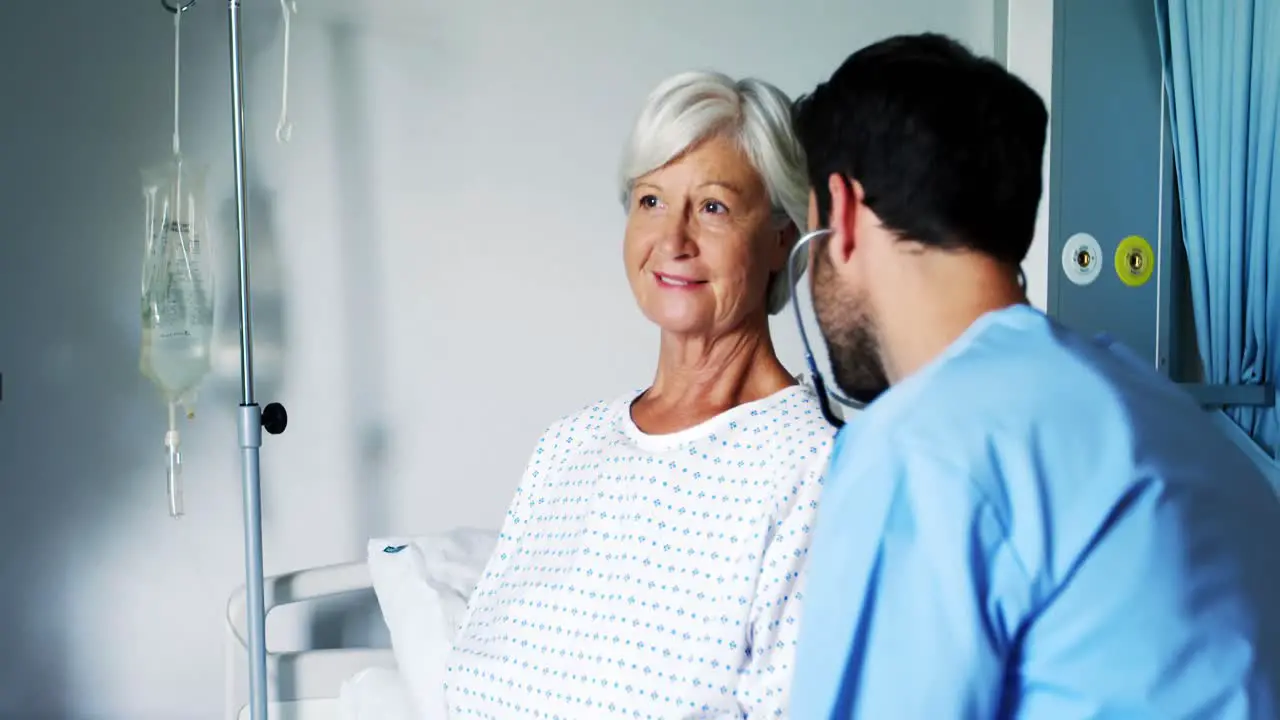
{"x":422,"y":586}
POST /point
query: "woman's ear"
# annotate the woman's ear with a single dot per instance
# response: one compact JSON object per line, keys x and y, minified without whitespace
{"x":785,"y":238}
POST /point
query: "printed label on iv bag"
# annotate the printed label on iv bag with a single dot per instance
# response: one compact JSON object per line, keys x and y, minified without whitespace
{"x":185,"y":302}
{"x":178,"y":292}
{"x":177,"y":301}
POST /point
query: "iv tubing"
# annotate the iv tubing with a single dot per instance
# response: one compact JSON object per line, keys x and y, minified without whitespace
{"x":284,"y":128}
{"x":249,"y":420}
{"x":177,"y":74}
{"x":174,"y":473}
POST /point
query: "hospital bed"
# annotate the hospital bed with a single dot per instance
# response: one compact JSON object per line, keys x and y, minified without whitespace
{"x":306,"y":685}
{"x":303,"y":685}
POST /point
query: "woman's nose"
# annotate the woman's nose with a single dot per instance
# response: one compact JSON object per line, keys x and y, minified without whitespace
{"x":677,"y":237}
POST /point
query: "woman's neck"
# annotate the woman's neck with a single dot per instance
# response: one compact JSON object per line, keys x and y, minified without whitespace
{"x":698,"y":379}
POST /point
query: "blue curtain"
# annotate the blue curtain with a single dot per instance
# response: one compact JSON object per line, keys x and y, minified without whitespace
{"x":1222,"y":73}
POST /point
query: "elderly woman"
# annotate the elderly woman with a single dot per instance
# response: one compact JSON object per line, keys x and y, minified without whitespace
{"x":651,"y":562}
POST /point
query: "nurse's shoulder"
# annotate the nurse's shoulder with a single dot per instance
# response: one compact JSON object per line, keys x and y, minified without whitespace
{"x":1062,"y":431}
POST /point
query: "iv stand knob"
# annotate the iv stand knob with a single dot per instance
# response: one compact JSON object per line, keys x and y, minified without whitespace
{"x":274,"y":418}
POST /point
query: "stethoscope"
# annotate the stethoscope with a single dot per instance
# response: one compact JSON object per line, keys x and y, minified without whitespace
{"x":795,"y":268}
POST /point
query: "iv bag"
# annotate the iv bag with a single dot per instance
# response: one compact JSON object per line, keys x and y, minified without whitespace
{"x":177,"y":296}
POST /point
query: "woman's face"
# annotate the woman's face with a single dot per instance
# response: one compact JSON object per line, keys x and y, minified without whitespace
{"x":700,"y":242}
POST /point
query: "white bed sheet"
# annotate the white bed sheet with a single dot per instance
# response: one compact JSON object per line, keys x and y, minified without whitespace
{"x":422,"y":584}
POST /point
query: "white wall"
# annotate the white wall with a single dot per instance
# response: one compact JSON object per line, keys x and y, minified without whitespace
{"x":439,"y":249}
{"x":493,"y":135}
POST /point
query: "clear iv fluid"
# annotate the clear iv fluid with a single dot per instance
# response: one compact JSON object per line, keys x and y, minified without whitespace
{"x":177,"y":303}
{"x":177,"y":300}
{"x":176,"y":339}
{"x":175,"y":361}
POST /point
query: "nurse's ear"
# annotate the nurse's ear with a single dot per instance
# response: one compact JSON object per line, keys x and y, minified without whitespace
{"x":846,"y":204}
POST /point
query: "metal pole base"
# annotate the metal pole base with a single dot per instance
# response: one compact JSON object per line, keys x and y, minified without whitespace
{"x":249,"y":429}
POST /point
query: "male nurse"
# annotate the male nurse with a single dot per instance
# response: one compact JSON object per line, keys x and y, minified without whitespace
{"x":1023,"y":523}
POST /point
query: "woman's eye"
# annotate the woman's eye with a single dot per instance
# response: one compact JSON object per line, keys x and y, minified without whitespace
{"x":648,"y":201}
{"x":714,"y":207}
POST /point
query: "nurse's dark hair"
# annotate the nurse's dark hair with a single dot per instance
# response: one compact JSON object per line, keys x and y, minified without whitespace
{"x":948,"y":146}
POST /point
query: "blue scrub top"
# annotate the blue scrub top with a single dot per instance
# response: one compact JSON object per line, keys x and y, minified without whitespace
{"x":1037,"y":526}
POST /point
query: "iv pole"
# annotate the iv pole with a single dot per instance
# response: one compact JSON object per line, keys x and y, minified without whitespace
{"x":251,"y":419}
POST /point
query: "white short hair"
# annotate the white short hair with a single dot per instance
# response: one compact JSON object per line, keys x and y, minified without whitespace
{"x":691,"y":107}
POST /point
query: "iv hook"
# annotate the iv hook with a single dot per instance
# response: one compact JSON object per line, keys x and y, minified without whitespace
{"x":174,"y":9}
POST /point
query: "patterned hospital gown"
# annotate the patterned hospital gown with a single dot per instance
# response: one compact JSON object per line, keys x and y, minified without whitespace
{"x":648,"y":576}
